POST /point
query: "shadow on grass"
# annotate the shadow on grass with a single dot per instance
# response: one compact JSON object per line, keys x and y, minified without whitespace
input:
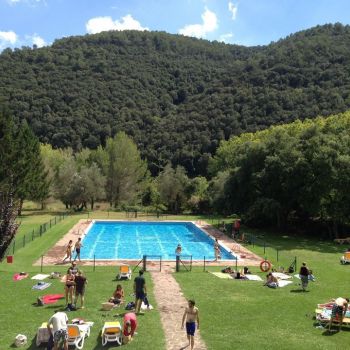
{"x":299,"y":291}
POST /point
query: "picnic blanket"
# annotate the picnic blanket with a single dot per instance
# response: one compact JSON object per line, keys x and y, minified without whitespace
{"x":19,"y":276}
{"x":283,"y":283}
{"x":281,"y":275}
{"x":222,"y":275}
{"x":41,"y":286}
{"x":253,"y":277}
{"x":40,"y":277}
{"x":52,"y":298}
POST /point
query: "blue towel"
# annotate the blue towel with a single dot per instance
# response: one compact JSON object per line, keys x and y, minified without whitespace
{"x":41,"y":285}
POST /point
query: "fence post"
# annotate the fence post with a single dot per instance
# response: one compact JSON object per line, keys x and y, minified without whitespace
{"x":13,"y":247}
{"x":24,"y":241}
{"x":144,"y":262}
{"x":33,"y":235}
{"x":204,"y":264}
{"x":236,"y":263}
{"x":41,"y":264}
{"x":94,"y":263}
{"x":264,"y":247}
{"x":277,"y":253}
{"x":177,"y":269}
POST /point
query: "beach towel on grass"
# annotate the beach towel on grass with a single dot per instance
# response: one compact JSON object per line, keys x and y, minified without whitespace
{"x":41,"y":286}
{"x":283,"y":283}
{"x":281,"y":276}
{"x":51,"y":298}
{"x":40,"y":277}
{"x":19,"y":276}
{"x":253,"y":277}
{"x":222,"y":275}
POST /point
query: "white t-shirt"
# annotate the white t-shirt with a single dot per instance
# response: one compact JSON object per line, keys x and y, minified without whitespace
{"x":59,"y":321}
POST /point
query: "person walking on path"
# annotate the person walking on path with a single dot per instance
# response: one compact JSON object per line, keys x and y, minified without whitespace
{"x":191,"y":316}
{"x":57,"y":327}
{"x":77,"y":248}
{"x":304,"y":276}
{"x":68,"y":251}
{"x":139,"y":290}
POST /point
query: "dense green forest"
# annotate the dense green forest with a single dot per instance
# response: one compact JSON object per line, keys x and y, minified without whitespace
{"x":296,"y":172}
{"x":176,"y":97}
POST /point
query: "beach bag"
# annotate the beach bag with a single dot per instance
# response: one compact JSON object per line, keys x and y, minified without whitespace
{"x":130,"y":306}
{"x":40,"y":301}
{"x":20,"y":340}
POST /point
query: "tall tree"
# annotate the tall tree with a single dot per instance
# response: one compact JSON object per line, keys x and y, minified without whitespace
{"x":126,"y":170}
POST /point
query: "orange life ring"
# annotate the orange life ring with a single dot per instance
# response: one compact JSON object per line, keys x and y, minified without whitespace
{"x":265,"y":266}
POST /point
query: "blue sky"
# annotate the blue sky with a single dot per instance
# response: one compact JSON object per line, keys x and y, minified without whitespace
{"x":244,"y":22}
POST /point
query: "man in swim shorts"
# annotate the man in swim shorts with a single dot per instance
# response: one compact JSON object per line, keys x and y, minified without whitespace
{"x":191,"y":316}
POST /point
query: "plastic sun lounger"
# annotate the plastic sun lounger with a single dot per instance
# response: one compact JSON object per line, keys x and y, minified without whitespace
{"x":111,"y":332}
{"x":124,"y":272}
{"x":77,"y":334}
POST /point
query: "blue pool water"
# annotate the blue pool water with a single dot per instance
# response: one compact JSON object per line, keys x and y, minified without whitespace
{"x":131,"y":240}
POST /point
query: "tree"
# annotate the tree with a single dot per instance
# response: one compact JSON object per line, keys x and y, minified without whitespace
{"x":126,"y":170}
{"x":172,"y":185}
{"x":8,"y":182}
{"x":94,"y":183}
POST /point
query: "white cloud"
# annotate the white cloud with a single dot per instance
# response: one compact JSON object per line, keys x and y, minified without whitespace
{"x":233,"y":9}
{"x":8,"y":37}
{"x":100,"y":24}
{"x":210,"y":23}
{"x":226,"y":38}
{"x":37,"y":40}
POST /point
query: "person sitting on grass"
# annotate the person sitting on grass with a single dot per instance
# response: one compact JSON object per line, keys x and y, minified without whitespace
{"x":271,"y":281}
{"x":338,"y":311}
{"x":118,"y":296}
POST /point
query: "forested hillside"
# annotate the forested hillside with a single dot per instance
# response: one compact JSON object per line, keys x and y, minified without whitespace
{"x":177,"y":97}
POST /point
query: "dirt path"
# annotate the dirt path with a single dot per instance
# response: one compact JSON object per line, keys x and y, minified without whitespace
{"x":171,"y":304}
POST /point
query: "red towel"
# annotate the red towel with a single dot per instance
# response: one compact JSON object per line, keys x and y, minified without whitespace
{"x":51,"y":298}
{"x":18,"y":276}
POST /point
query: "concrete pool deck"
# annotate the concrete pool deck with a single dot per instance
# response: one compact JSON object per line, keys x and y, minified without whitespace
{"x":55,"y":255}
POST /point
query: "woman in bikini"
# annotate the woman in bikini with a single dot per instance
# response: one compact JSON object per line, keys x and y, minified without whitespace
{"x":69,"y":288}
{"x":69,"y":251}
{"x":118,"y":295}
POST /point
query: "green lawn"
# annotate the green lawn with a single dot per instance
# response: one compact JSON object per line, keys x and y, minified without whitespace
{"x":234,"y":314}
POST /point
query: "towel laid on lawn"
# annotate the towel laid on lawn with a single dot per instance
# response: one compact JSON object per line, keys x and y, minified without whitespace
{"x":222,"y":275}
{"x":41,"y":286}
{"x":253,"y":277}
{"x":283,"y":283}
{"x":52,"y":298}
{"x":281,"y":276}
{"x":40,"y":277}
{"x":19,"y":276}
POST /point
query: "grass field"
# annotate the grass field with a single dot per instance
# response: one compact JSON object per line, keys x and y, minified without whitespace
{"x":234,"y":314}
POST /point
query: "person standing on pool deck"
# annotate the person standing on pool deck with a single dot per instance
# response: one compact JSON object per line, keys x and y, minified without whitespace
{"x":139,"y":290}
{"x":77,"y":248}
{"x":191,"y":315}
{"x":217,"y":250}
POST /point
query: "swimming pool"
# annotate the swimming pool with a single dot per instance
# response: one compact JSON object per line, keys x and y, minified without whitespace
{"x":113,"y":240}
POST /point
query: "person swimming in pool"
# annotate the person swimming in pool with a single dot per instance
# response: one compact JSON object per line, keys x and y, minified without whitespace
{"x":191,"y":315}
